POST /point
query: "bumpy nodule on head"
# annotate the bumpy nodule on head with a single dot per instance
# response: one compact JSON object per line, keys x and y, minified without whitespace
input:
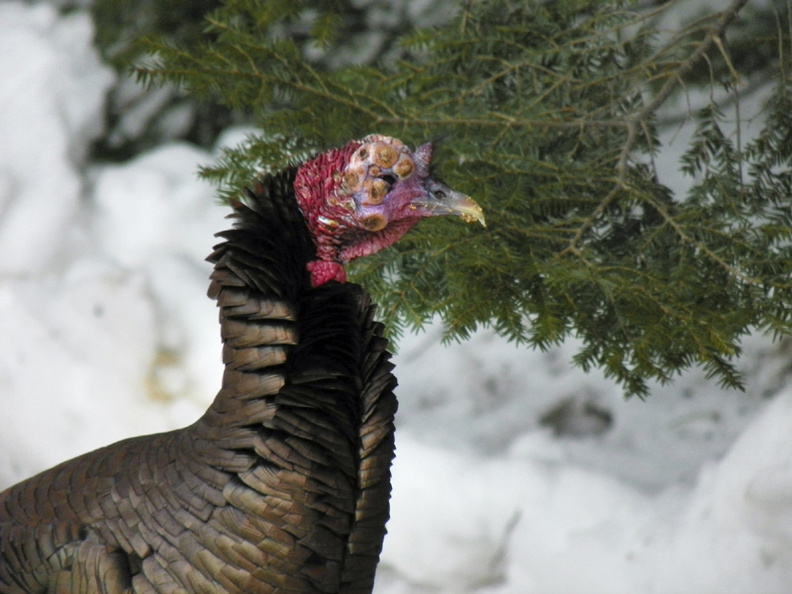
{"x":364,"y":196}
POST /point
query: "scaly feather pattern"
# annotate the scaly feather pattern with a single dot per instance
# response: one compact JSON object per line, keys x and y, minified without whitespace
{"x":281,"y":487}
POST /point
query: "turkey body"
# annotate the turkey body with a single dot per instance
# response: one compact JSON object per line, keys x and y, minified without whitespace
{"x":282,"y":485}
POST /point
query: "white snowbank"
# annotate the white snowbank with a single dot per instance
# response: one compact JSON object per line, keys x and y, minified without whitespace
{"x":734,"y":534}
{"x":102,"y":294}
{"x":51,"y":95}
{"x":518,"y":525}
{"x":105,"y":332}
{"x":153,"y":215}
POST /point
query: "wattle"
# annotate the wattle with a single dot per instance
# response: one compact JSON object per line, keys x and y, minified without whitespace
{"x":324,"y":271}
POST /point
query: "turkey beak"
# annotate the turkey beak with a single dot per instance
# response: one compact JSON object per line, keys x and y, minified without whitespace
{"x":466,"y":208}
{"x":442,"y":200}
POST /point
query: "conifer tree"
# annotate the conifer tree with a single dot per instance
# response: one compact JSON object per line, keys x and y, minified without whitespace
{"x":547,"y":113}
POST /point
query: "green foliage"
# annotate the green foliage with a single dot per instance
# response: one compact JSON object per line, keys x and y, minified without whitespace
{"x":352,"y":33}
{"x":548,"y":115}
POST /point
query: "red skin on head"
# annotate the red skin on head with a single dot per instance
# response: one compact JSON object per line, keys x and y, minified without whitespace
{"x":314,"y":183}
{"x":364,"y":196}
{"x":333,"y":220}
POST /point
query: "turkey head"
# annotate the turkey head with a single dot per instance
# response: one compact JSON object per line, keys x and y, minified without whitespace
{"x":364,"y":196}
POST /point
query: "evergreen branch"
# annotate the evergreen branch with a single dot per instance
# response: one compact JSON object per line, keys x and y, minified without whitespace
{"x":632,"y":124}
{"x":712,"y":36}
{"x":552,"y":111}
{"x":671,"y":221}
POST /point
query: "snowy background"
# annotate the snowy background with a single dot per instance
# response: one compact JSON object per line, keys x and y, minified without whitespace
{"x":516,"y":473}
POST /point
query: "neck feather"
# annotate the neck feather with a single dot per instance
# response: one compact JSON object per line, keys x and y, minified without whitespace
{"x":303,"y":423}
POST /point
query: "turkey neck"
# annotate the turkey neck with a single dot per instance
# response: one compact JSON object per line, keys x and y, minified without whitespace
{"x":273,"y":326}
{"x":290,"y":397}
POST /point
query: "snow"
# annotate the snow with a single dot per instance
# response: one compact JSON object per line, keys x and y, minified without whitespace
{"x":515,"y":472}
{"x":49,"y":102}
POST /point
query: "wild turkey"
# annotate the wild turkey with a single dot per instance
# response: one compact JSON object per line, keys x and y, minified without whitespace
{"x":283,"y":484}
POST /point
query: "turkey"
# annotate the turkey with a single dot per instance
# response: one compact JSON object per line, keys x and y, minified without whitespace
{"x":283,"y":484}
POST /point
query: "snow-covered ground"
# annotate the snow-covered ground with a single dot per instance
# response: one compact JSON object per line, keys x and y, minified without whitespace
{"x":516,"y":473}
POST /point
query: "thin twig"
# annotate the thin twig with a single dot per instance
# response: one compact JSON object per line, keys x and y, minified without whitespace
{"x":712,"y":37}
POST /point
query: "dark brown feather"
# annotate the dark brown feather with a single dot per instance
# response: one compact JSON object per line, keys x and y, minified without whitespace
{"x":282,"y":486}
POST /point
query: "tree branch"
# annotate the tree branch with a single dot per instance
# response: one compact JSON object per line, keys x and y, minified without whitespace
{"x":712,"y":37}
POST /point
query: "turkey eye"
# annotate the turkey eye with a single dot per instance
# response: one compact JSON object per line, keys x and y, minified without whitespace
{"x":388,"y":179}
